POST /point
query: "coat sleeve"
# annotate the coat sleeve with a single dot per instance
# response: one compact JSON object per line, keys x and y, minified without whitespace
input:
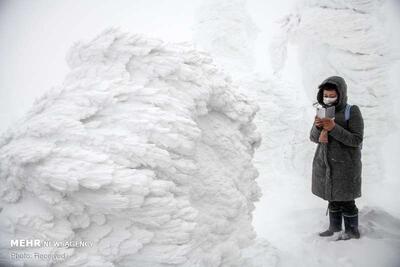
{"x":354,"y":135}
{"x":314,"y":133}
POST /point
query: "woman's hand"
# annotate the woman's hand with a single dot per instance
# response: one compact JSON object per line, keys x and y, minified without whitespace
{"x":318,"y":122}
{"x":328,"y":124}
{"x":323,"y":137}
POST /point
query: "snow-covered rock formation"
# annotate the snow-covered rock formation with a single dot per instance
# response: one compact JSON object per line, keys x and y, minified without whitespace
{"x":145,"y":152}
{"x":226,"y":30}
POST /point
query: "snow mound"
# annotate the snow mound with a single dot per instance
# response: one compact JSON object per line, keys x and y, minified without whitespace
{"x":145,"y":153}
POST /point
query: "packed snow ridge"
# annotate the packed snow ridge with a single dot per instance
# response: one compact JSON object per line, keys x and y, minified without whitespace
{"x":145,"y":152}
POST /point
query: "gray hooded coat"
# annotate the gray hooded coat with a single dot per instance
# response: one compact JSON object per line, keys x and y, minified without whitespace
{"x":336,"y":168}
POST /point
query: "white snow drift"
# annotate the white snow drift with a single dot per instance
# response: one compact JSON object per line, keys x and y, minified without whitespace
{"x":145,"y":151}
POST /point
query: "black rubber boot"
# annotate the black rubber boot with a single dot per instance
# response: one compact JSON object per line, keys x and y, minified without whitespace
{"x":335,"y":223}
{"x":351,"y":227}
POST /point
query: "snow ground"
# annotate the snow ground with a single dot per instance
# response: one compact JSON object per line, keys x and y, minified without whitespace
{"x":291,"y":218}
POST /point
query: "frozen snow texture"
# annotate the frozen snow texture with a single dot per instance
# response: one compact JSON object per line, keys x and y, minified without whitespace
{"x":225,"y":29}
{"x":145,"y":150}
{"x":349,"y":39}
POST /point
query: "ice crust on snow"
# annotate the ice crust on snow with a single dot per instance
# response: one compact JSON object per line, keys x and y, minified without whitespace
{"x":145,"y":150}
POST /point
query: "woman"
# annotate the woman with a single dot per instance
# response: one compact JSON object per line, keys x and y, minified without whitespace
{"x":336,"y":172}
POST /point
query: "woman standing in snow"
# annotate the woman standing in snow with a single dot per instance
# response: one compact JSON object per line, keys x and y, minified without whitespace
{"x":336,"y":171}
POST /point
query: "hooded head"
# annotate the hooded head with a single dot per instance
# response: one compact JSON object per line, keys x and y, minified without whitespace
{"x":341,"y":88}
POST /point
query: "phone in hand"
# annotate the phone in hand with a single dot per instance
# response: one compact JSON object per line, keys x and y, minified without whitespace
{"x":328,"y":112}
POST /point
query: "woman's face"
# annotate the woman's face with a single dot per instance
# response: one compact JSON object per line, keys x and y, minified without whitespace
{"x":330,"y":97}
{"x":330,"y":93}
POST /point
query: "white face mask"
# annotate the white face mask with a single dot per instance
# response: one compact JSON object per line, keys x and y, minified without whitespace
{"x":329,"y":100}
